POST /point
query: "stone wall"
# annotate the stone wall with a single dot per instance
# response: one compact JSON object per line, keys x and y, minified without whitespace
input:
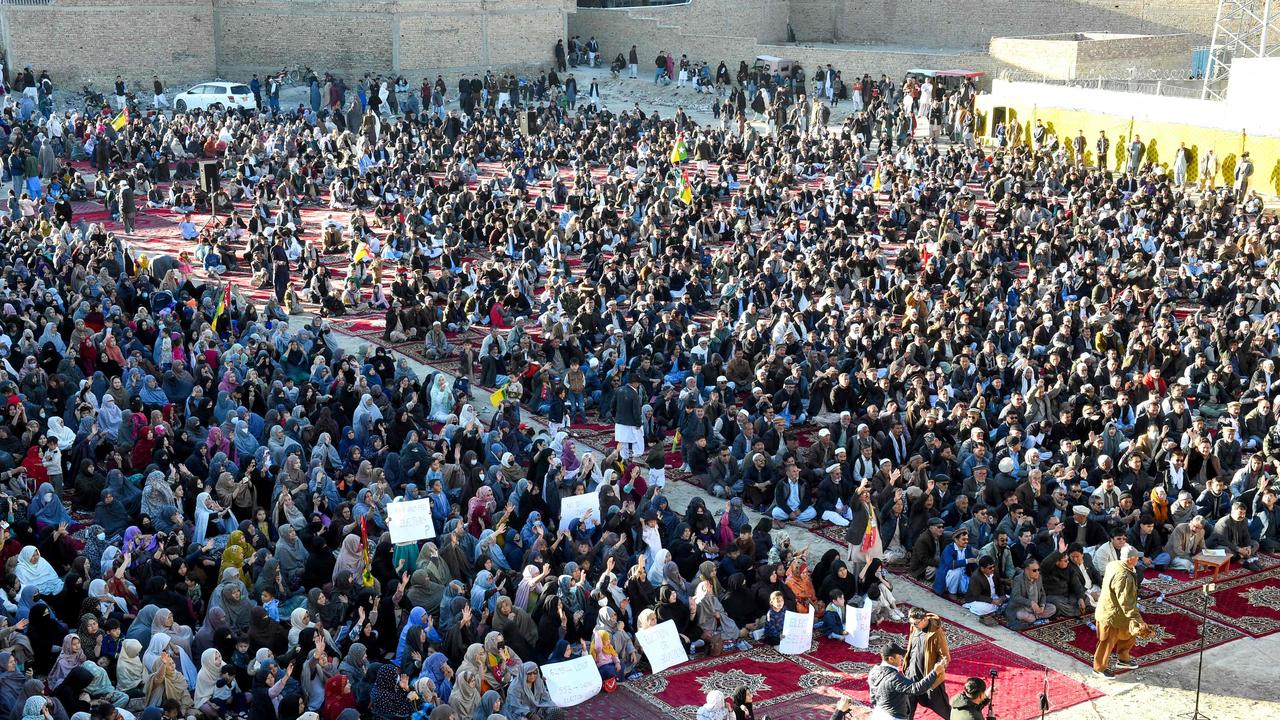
{"x":1082,"y":55}
{"x":79,"y":40}
{"x":972,"y":23}
{"x":192,"y":40}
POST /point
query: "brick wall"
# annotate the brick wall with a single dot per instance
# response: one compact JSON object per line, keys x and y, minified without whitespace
{"x":84,"y":40}
{"x":972,"y":23}
{"x":191,"y":40}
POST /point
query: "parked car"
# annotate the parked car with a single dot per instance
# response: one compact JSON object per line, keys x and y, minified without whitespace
{"x":217,"y":95}
{"x":773,"y":64}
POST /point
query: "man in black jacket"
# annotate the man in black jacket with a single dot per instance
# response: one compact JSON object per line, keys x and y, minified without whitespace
{"x":628,"y":428}
{"x":891,"y":691}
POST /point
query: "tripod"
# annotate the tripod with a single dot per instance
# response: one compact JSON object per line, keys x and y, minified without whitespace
{"x":1206,"y":591}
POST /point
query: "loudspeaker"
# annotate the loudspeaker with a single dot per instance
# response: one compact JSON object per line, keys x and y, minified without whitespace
{"x":529,"y":123}
{"x":209,"y":179}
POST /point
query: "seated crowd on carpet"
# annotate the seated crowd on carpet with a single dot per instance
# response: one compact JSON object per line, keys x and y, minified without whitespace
{"x":976,"y":383}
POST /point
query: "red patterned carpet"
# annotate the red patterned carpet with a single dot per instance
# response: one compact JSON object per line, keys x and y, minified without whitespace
{"x":1177,"y":633}
{"x":807,"y":686}
{"x":1249,"y":604}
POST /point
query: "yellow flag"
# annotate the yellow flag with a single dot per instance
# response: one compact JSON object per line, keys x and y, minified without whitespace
{"x":686,"y":192}
{"x":121,"y":120}
{"x":875,"y":183}
{"x":675,"y":441}
{"x":497,"y":397}
{"x":680,"y":151}
{"x":362,"y":252}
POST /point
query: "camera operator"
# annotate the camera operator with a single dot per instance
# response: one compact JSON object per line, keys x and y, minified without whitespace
{"x":969,"y":703}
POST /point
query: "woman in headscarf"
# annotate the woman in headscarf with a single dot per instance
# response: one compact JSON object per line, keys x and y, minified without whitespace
{"x":365,"y":415}
{"x":350,"y":559}
{"x":527,"y":697}
{"x":70,"y":658}
{"x":34,"y":571}
{"x":131,"y":674}
{"x":716,"y":625}
{"x":109,"y":416}
{"x":355,"y":664}
{"x":802,"y":585}
{"x":715,"y":708}
{"x":207,"y":682}
{"x":500,"y":661}
{"x":391,"y":698}
{"x":100,"y":688}
{"x":140,"y":628}
{"x":465,"y":698}
{"x":180,"y":635}
{"x":11,"y":682}
{"x":339,"y":695}
{"x":211,"y":519}
{"x":437,"y":668}
{"x":162,"y":646}
{"x":157,"y":495}
{"x":110,"y":514}
{"x":46,"y":508}
{"x":35,"y":709}
{"x":490,"y":704}
{"x":168,"y":683}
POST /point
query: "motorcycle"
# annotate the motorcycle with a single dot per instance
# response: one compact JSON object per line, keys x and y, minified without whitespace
{"x":93,"y":100}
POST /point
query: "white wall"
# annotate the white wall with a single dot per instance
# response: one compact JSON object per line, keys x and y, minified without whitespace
{"x":1251,"y":87}
{"x":1242,"y":111}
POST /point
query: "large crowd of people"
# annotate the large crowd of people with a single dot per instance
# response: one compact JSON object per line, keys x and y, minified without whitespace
{"x":1000,"y":370}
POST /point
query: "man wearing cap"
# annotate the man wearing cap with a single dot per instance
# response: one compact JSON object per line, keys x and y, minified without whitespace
{"x":957,"y":562}
{"x":1117,"y":616}
{"x":926,"y":551}
{"x":628,"y":406}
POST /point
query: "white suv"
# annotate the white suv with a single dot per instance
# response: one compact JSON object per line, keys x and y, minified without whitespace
{"x":216,"y":96}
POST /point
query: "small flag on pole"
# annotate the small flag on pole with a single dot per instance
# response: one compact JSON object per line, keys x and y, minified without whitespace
{"x":680,"y":151}
{"x":498,"y":396}
{"x":686,"y":192}
{"x":121,"y":120}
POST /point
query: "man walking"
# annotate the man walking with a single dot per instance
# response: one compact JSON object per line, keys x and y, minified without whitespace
{"x":127,"y":209}
{"x":1208,"y":169}
{"x":1181,"y":161}
{"x":1244,"y":169}
{"x":1117,"y":616}
{"x":891,"y":691}
{"x":627,"y":429}
{"x":1137,"y":151}
{"x":160,"y":101}
{"x":926,"y":647}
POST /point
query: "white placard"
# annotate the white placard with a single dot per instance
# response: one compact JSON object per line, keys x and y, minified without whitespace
{"x":797,"y":633}
{"x":661,"y":644}
{"x":573,"y":681}
{"x":857,"y":624}
{"x":573,"y":507}
{"x":410,"y":521}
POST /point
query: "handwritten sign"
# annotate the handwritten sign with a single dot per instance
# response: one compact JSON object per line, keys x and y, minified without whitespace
{"x":410,"y":521}
{"x":661,"y":644}
{"x":857,"y":625}
{"x":797,"y":633}
{"x":573,"y":507}
{"x":573,"y":681}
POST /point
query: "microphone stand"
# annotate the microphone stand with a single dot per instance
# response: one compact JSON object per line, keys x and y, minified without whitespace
{"x":991,"y":697}
{"x":1044,"y":696}
{"x":1206,"y":591}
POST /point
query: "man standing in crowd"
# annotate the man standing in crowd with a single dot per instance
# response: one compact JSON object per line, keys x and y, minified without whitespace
{"x":927,"y":648}
{"x":627,"y":411}
{"x":893,"y":693}
{"x":1119,"y":622}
